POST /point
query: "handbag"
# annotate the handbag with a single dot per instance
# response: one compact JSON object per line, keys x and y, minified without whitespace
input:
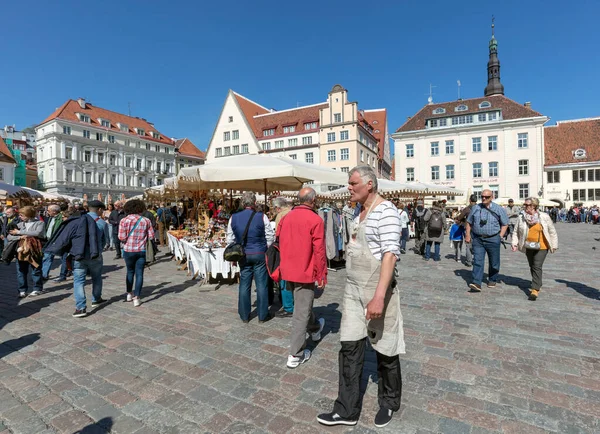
{"x":130,"y":232}
{"x":235,"y":251}
{"x":533,"y":245}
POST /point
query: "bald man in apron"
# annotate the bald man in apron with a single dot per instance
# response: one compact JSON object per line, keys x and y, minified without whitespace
{"x":371,"y":305}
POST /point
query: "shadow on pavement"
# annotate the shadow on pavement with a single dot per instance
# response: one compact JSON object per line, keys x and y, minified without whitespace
{"x":586,"y":291}
{"x":104,"y":425}
{"x":157,"y":293}
{"x":18,"y":311}
{"x":13,"y":345}
{"x":522,"y":284}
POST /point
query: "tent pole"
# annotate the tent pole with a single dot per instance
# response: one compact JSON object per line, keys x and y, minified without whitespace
{"x":265,"y":193}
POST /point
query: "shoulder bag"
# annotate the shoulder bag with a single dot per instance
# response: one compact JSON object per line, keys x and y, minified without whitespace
{"x":130,"y":232}
{"x":235,"y":251}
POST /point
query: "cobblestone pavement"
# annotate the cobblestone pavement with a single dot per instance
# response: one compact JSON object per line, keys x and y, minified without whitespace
{"x":184,"y":363}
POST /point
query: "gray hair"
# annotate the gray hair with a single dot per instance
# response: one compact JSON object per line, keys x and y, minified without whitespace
{"x":55,"y":208}
{"x":366,"y":174}
{"x":248,"y":199}
{"x":308,"y":197}
{"x":280,"y":202}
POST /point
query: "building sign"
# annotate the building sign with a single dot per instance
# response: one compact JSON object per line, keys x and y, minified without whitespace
{"x":20,"y":169}
{"x":485,"y":181}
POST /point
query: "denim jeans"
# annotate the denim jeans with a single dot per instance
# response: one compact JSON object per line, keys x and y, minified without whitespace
{"x":404,"y":238}
{"x":253,"y":266}
{"x":436,"y":252}
{"x":481,"y":246}
{"x":47,"y":265}
{"x":36,"y":275}
{"x":80,"y":270}
{"x":287,"y":297}
{"x":135,"y":262}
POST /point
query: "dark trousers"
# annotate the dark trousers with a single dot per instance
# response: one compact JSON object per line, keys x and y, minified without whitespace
{"x":253,"y":267}
{"x":536,"y":260}
{"x":116,"y":240}
{"x":351,"y":360}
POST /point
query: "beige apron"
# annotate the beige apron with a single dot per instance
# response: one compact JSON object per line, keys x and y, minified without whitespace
{"x":386,"y":334}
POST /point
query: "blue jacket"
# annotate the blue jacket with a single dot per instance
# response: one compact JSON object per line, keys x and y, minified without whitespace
{"x":78,"y":236}
{"x":457,"y":232}
{"x":257,"y":242}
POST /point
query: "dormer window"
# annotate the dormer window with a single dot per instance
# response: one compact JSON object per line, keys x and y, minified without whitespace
{"x":579,"y":153}
{"x":289,"y":129}
{"x":155,"y":135}
{"x":376,"y":131}
{"x":375,"y":122}
{"x":139,"y":131}
{"x":123,"y":127}
{"x":269,"y":132}
{"x":461,"y":108}
{"x":104,"y":123}
{"x":485,"y":104}
{"x":84,"y":118}
{"x":439,"y":111}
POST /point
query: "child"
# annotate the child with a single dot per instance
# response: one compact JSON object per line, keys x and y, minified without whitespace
{"x":457,"y":232}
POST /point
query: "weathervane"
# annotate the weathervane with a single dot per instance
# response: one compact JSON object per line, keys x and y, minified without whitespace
{"x":493,"y":25}
{"x":430,"y":98}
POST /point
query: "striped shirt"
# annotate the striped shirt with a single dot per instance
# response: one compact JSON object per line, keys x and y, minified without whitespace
{"x":383,"y":230}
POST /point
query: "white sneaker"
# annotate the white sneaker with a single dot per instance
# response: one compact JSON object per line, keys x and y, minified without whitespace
{"x":294,"y":362}
{"x":129,"y":296}
{"x":22,"y":294}
{"x":316,"y":336}
{"x":34,"y":293}
{"x":136,"y":301}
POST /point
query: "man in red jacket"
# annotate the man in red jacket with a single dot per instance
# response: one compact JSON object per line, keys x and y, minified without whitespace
{"x":302,"y":245}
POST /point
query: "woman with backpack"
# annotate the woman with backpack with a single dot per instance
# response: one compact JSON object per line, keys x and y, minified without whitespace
{"x":435,"y":227}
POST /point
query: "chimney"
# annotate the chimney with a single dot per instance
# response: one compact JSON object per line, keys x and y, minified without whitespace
{"x":81,"y":102}
{"x":527,"y":104}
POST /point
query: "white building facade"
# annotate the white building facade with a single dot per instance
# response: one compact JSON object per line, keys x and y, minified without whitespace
{"x":84,"y":149}
{"x":572,"y":162}
{"x":475,"y":144}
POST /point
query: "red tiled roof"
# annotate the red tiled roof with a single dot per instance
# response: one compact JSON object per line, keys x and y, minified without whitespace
{"x":378,"y":119}
{"x":277,"y":120}
{"x":69,"y":110}
{"x":250,"y":109}
{"x":5,"y":152}
{"x":187,"y":148}
{"x":510,"y":110}
{"x":561,"y":140}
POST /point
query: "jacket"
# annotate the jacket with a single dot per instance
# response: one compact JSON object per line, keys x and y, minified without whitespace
{"x":30,"y":250}
{"x":30,"y":228}
{"x":519,"y":236}
{"x":302,"y":245}
{"x":85,"y":243}
{"x":115,"y":217}
{"x":427,"y":217}
{"x":56,"y":224}
{"x":60,"y":242}
{"x":5,"y":226}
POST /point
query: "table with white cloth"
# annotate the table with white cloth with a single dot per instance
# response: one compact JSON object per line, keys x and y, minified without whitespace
{"x":202,"y":261}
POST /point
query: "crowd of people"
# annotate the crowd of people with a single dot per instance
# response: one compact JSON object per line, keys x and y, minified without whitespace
{"x":78,"y":235}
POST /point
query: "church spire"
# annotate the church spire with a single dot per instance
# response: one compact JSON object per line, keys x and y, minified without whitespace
{"x":494,"y":87}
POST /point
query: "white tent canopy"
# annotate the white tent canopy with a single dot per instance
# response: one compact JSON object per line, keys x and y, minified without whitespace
{"x":255,"y":172}
{"x":401,"y":189}
{"x":8,"y":190}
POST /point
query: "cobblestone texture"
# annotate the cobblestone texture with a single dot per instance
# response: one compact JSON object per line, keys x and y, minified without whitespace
{"x":184,"y":363}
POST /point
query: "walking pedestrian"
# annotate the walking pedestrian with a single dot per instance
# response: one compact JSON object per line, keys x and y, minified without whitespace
{"x":91,"y":235}
{"x":51,"y":225}
{"x":282,"y":207}
{"x":371,"y":305}
{"x":457,"y":232}
{"x":134,"y":232}
{"x":535,"y":235}
{"x":164,"y":221}
{"x":418,"y":218}
{"x":258,"y":237}
{"x":435,"y":227}
{"x":512,"y":212}
{"x":108,"y":227}
{"x":29,"y":232}
{"x":303,"y":262}
{"x":404,"y":222}
{"x":115,"y":220}
{"x":462,"y":217}
{"x":486,"y":226}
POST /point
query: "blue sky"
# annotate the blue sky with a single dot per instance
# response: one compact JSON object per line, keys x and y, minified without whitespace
{"x":174,"y":61}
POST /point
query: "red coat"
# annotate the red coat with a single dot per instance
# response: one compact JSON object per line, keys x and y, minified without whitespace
{"x":302,"y":244}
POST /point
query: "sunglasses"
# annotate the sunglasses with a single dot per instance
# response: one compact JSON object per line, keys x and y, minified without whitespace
{"x":486,"y":197}
{"x":528,"y":204}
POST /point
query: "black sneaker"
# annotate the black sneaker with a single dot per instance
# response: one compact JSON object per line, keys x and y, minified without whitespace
{"x":383,"y":417}
{"x":332,"y":419}
{"x":59,"y":279}
{"x":98,"y":302}
{"x":79,"y":313}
